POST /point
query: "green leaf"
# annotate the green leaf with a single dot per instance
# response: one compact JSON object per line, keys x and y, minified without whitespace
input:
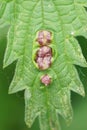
{"x":2,"y":8}
{"x":66,"y":19}
{"x":6,"y":13}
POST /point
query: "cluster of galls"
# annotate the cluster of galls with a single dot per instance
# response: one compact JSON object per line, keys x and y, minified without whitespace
{"x":44,"y":54}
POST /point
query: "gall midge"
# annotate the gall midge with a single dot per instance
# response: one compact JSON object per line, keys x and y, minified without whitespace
{"x":44,"y":38}
{"x":44,"y":51}
{"x":44,"y":57}
{"x":46,"y":80}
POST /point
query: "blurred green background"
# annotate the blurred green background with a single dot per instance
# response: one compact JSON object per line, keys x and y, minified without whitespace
{"x":12,"y":106}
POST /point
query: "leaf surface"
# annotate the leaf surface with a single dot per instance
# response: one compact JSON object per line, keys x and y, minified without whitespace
{"x":66,"y":19}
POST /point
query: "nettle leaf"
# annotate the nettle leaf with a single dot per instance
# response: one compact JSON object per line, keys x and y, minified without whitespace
{"x":6,"y":12}
{"x":66,"y":20}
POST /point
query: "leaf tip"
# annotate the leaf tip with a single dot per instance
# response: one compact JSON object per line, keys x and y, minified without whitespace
{"x":5,"y":63}
{"x":28,"y":123}
{"x":81,"y":91}
{"x":10,"y":91}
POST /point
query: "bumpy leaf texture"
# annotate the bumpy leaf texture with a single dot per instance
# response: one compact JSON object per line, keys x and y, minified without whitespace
{"x":66,"y":19}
